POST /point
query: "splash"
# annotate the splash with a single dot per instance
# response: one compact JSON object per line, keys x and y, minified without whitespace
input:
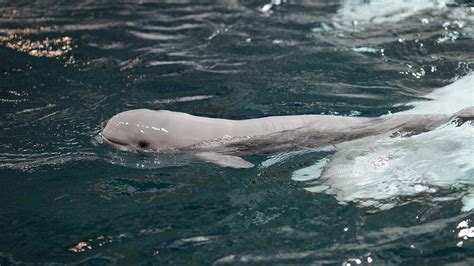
{"x":382,"y":172}
{"x":447,"y":100}
{"x":376,"y":172}
{"x":383,"y":11}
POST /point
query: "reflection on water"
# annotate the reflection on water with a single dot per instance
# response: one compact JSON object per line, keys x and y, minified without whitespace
{"x":44,"y":48}
{"x":69,"y":66}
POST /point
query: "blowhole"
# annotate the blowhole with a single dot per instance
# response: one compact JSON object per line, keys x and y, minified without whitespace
{"x":143,"y":144}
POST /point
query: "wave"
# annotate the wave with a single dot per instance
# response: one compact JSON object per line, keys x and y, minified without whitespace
{"x":384,"y":11}
{"x":383,"y":172}
{"x":447,"y":100}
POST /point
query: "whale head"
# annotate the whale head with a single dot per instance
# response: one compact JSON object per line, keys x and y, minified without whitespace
{"x":141,"y":130}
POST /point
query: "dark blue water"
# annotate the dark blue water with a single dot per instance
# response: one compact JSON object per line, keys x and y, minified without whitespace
{"x":68,"y":66}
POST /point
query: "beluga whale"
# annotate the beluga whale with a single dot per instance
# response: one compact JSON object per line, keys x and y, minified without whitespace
{"x":224,"y":142}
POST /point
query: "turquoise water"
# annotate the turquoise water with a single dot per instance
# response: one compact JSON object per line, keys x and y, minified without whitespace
{"x":66,"y":67}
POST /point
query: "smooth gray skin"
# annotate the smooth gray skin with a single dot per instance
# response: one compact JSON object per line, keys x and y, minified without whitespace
{"x":167,"y":131}
{"x":144,"y":129}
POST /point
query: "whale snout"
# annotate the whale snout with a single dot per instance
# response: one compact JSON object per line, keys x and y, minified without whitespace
{"x":113,"y":135}
{"x":134,"y":130}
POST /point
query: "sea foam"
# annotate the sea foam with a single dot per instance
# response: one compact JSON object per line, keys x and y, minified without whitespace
{"x":381,"y":171}
{"x":384,"y":11}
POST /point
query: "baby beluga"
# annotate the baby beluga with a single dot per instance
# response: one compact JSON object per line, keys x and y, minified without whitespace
{"x":223,"y":141}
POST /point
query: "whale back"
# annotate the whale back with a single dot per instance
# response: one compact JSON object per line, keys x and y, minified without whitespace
{"x":333,"y":130}
{"x":144,"y":129}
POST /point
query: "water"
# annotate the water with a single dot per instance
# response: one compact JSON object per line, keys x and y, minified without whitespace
{"x":67,"y":67}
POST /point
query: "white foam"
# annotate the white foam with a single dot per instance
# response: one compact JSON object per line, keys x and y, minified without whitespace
{"x":447,"y":100}
{"x":283,"y":157}
{"x":383,"y":11}
{"x":468,"y":201}
{"x":365,"y":50}
{"x":311,"y":172}
{"x":183,"y":99}
{"x":375,"y":170}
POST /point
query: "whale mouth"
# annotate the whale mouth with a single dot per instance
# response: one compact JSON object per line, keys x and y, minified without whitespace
{"x":113,"y":142}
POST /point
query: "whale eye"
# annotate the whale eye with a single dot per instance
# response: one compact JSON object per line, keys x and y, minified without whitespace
{"x":143,"y":144}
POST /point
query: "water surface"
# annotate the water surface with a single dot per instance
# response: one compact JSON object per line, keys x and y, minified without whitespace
{"x":66,"y":67}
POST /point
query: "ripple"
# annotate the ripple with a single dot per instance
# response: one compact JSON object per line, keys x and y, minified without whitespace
{"x":128,"y":187}
{"x":36,"y":109}
{"x":181,"y":27}
{"x":30,"y":162}
{"x":185,"y":243}
{"x":224,"y":59}
{"x":183,"y":99}
{"x":99,"y":241}
{"x":373,"y":247}
{"x":155,"y":36}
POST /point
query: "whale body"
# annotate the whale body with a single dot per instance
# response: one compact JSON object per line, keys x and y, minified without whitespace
{"x":224,"y":141}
